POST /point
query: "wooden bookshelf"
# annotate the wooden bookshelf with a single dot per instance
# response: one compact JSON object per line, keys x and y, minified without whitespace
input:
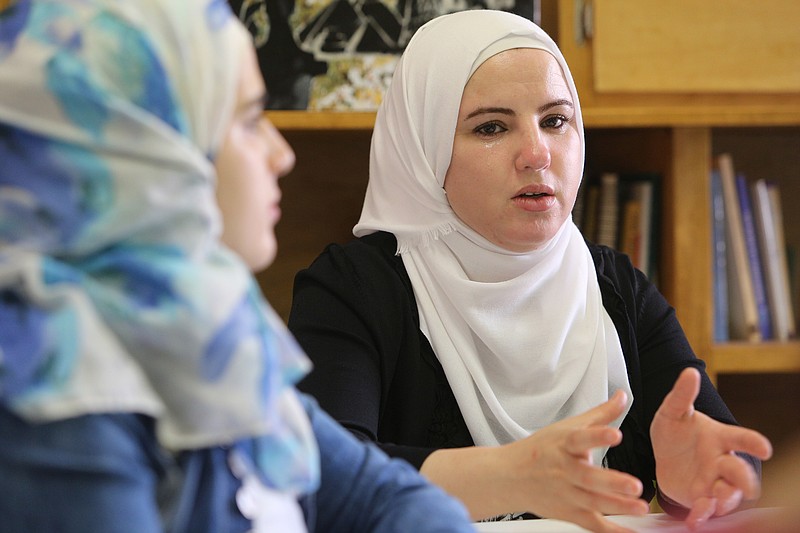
{"x":761,"y":358}
{"x":681,"y":126}
{"x":672,"y":132}
{"x":321,"y":120}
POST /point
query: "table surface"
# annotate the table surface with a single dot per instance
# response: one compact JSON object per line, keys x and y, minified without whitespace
{"x":657,"y":523}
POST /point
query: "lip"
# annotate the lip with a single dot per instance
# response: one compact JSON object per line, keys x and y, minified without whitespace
{"x":535,"y":188}
{"x":274,"y":211}
{"x":545,"y":200}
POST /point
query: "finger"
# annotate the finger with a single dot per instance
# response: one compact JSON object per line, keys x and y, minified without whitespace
{"x":596,"y":522}
{"x":737,"y":473}
{"x":728,"y":497}
{"x":581,"y":440}
{"x":609,"y":504}
{"x":608,"y":481}
{"x":679,"y":402}
{"x":745,"y":440}
{"x":702,"y":509}
{"x":606,"y":412}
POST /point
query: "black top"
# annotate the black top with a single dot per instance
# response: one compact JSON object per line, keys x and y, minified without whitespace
{"x":354,"y":313}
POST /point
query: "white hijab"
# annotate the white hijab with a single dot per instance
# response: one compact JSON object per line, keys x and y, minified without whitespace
{"x":523,"y":338}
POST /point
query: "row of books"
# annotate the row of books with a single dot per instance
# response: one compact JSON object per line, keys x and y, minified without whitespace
{"x":752,"y":295}
{"x":622,"y":210}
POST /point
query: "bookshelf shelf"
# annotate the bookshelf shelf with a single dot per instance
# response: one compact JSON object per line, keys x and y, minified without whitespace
{"x":756,"y":358}
{"x":673,"y":115}
{"x":322,"y":120}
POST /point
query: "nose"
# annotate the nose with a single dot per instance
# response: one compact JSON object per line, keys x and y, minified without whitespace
{"x":281,"y":158}
{"x":534,"y":151}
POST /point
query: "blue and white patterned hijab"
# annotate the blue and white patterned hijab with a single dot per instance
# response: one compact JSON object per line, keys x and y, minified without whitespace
{"x":115,"y":294}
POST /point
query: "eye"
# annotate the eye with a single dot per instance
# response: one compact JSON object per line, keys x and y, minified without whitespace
{"x":490,"y":129}
{"x":555,"y":121}
{"x":253,"y":122}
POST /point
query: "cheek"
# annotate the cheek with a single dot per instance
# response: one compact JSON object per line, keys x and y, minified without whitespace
{"x":469,"y":191}
{"x":569,"y":160}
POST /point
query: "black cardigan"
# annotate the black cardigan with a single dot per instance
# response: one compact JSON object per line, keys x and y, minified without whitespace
{"x":354,"y":313}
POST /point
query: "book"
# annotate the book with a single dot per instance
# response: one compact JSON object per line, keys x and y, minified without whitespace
{"x":647,"y":258}
{"x":768,"y":248}
{"x":783,"y":262}
{"x":590,"y":207}
{"x":648,"y":191}
{"x":638,"y":201}
{"x":608,"y":210}
{"x":754,"y":256}
{"x":621,"y":210}
{"x":630,"y":234}
{"x":743,"y":317}
{"x":580,"y":204}
{"x":719,"y":260}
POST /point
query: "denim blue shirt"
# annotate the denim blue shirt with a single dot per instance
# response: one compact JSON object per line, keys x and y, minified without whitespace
{"x":362,"y":489}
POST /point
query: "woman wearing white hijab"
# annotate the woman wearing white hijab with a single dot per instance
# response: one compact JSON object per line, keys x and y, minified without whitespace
{"x":471,"y":310}
{"x":145,"y":384}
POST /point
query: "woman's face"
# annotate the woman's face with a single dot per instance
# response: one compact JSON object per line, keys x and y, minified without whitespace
{"x":252,"y":158}
{"x":517,"y":154}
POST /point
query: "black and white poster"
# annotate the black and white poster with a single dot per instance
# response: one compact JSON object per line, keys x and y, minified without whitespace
{"x":340,"y":54}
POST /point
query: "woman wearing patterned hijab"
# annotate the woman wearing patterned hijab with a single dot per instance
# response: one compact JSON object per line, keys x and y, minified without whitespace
{"x":145,"y":384}
{"x":472,"y":311}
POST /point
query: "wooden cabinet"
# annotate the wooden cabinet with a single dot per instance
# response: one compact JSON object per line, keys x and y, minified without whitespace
{"x":647,"y":106}
{"x":686,"y":46}
{"x":640,"y":124}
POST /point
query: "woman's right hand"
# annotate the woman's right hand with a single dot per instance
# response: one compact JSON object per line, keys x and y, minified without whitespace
{"x":549,"y":473}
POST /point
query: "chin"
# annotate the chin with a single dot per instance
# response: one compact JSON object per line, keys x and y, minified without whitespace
{"x":262,"y":261}
{"x":259,"y":264}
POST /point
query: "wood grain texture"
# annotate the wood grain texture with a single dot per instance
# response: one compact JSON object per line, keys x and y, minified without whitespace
{"x":685,"y":46}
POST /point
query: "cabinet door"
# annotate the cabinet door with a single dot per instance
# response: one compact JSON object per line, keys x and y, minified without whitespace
{"x":696,"y":46}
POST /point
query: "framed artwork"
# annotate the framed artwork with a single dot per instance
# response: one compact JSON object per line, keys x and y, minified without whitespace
{"x":339,"y":55}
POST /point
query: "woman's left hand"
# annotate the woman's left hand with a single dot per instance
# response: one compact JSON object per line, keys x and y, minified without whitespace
{"x":695,"y":461}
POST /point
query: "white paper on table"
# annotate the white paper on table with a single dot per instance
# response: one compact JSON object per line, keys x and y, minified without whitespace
{"x":651,"y":523}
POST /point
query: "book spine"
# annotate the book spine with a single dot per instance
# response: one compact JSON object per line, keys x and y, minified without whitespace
{"x":645,"y":194}
{"x":754,"y":257}
{"x":721,"y":312}
{"x":783,"y":262}
{"x":765,"y":226}
{"x":590,"y":208}
{"x":608,"y":215}
{"x":743,"y":323}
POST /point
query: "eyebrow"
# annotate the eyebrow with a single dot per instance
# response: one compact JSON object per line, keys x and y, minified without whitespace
{"x":510,"y":112}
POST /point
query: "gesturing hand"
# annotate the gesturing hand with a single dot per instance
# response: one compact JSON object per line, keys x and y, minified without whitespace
{"x":553,"y":471}
{"x":695,"y":461}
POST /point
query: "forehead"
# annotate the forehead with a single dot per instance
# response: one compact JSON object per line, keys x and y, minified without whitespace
{"x":523,"y":71}
{"x":251,"y":82}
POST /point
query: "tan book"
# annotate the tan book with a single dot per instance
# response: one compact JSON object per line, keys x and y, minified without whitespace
{"x":741,"y":295}
{"x":783,"y":262}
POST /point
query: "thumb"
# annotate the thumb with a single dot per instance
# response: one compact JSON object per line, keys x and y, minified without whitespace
{"x":679,"y":402}
{"x":702,"y":510}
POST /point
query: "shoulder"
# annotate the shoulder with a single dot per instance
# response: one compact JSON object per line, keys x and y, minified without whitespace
{"x":372,"y":253}
{"x":620,"y":281}
{"x":369,"y":263}
{"x":615,"y":274}
{"x":611,"y":263}
{"x":376,"y":247}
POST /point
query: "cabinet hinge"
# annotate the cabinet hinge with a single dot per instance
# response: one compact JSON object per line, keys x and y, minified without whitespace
{"x":583,"y":21}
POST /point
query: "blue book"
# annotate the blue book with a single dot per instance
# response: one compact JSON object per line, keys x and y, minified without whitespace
{"x":720,"y":260}
{"x":754,"y":257}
